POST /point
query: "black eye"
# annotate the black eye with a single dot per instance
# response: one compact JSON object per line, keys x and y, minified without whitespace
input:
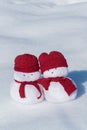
{"x":31,"y":74}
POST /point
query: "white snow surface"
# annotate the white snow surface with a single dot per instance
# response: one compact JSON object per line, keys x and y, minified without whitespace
{"x":35,"y":26}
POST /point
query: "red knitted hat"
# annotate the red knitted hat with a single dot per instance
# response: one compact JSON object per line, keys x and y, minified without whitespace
{"x":52,"y":60}
{"x":26,"y":63}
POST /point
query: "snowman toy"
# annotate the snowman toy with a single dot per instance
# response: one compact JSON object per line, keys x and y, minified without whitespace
{"x":57,"y":87}
{"x":24,"y":88}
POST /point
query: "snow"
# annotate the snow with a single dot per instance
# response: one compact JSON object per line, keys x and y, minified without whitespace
{"x":35,"y":26}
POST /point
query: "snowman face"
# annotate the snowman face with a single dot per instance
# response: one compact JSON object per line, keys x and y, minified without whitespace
{"x":56,"y":72}
{"x":21,"y":76}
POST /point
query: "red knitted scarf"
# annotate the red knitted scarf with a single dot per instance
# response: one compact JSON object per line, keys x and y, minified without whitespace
{"x":22,"y":88}
{"x":67,"y":84}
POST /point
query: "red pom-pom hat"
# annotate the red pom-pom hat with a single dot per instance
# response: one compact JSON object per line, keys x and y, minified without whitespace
{"x":52,"y":60}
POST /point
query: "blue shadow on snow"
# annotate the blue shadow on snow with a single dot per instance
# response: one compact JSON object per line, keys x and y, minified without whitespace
{"x":79,"y":77}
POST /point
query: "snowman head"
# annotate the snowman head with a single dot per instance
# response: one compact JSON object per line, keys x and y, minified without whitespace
{"x":21,"y":76}
{"x":26,"y":68}
{"x":53,"y":64}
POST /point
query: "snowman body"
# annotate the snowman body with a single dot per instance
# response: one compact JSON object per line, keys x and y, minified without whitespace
{"x":32,"y":94}
{"x":56,"y":91}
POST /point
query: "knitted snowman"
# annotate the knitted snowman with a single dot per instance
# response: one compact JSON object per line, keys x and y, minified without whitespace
{"x":24,"y":87}
{"x":57,"y":87}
